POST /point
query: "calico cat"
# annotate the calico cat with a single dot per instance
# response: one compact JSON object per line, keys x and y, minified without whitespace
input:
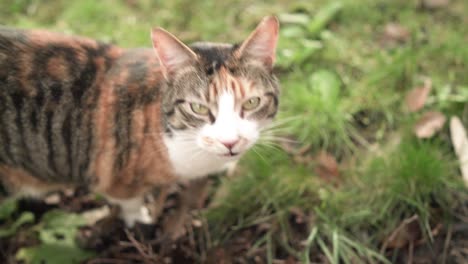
{"x":75,"y":111}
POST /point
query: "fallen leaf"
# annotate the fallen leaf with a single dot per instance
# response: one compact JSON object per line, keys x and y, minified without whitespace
{"x":434,"y":4}
{"x":430,"y":123}
{"x":417,"y":97}
{"x":460,"y":144}
{"x":53,"y":253}
{"x":24,"y":218}
{"x":407,"y":232}
{"x":395,"y":33}
{"x":57,"y":233}
{"x":327,"y":167}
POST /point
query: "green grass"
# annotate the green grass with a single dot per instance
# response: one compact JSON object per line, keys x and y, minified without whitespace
{"x":343,"y":91}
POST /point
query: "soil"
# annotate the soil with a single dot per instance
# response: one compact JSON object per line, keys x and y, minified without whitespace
{"x":180,"y":236}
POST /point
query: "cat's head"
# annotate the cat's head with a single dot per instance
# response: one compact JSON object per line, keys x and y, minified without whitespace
{"x":219,"y":96}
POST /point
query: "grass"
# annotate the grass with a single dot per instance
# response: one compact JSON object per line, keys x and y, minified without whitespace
{"x":343,"y":91}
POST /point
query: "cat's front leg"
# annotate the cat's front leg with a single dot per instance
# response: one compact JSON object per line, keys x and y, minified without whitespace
{"x":133,"y":210}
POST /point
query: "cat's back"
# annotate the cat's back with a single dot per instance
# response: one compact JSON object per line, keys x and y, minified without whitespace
{"x":49,"y":86}
{"x":41,"y":53}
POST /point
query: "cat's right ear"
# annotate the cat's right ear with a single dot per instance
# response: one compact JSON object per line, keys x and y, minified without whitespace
{"x":172,"y":53}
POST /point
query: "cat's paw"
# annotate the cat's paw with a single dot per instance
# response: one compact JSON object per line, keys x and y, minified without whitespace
{"x":142,"y":215}
{"x":133,"y":210}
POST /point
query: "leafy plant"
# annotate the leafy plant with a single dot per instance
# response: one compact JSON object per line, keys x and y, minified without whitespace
{"x":56,"y":231}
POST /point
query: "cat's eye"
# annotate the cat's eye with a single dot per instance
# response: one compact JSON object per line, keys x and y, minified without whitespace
{"x":251,"y":104}
{"x":199,"y":109}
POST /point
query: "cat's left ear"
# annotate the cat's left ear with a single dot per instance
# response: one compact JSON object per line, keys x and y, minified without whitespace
{"x":172,"y":53}
{"x":260,"y":46}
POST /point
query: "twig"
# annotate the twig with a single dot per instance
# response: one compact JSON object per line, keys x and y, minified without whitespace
{"x":410,"y":252}
{"x":447,"y":243}
{"x":145,"y":252}
{"x":106,"y":261}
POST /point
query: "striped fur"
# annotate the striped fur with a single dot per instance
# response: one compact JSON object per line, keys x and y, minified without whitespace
{"x":74,"y":111}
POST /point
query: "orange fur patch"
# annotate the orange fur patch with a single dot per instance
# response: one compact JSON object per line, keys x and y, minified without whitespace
{"x":224,"y":81}
{"x":16,"y":180}
{"x":148,"y":165}
{"x":57,"y":68}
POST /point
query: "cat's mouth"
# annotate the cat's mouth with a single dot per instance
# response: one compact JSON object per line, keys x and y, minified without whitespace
{"x":231,"y":154}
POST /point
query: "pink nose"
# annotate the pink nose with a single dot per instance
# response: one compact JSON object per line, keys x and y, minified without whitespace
{"x":230,"y":144}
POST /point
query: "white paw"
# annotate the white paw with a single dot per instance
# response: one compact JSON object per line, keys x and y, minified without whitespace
{"x":142,"y":215}
{"x":133,"y":210}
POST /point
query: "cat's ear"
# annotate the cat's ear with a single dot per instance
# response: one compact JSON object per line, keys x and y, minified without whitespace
{"x":172,"y":53}
{"x":260,"y":46}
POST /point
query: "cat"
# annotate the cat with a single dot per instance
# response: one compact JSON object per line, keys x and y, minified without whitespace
{"x":74,"y":111}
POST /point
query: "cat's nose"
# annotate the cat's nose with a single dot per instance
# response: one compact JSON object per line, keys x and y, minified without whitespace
{"x":230,"y":144}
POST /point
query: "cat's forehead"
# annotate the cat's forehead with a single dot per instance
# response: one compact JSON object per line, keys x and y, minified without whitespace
{"x":213,"y":55}
{"x":218,"y":70}
{"x":213,"y":51}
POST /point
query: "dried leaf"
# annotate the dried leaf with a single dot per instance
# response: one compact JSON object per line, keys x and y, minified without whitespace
{"x":434,"y":4}
{"x":408,"y":231}
{"x":327,"y":167}
{"x":417,"y":97}
{"x":429,"y":124}
{"x":395,"y":32}
{"x":460,"y":144}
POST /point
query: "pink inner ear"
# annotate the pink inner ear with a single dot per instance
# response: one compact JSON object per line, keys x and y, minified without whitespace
{"x":261,"y":44}
{"x":172,"y":53}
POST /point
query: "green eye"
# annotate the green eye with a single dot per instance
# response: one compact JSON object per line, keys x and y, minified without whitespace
{"x":199,"y":109}
{"x":251,"y":104}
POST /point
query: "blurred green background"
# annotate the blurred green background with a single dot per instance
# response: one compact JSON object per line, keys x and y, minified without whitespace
{"x":343,"y":157}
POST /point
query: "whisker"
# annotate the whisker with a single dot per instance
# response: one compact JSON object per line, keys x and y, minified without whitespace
{"x":279,"y":139}
{"x":279,"y":123}
{"x":256,"y":152}
{"x":271,"y":145}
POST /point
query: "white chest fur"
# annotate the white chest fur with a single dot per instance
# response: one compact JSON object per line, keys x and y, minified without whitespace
{"x":191,"y":162}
